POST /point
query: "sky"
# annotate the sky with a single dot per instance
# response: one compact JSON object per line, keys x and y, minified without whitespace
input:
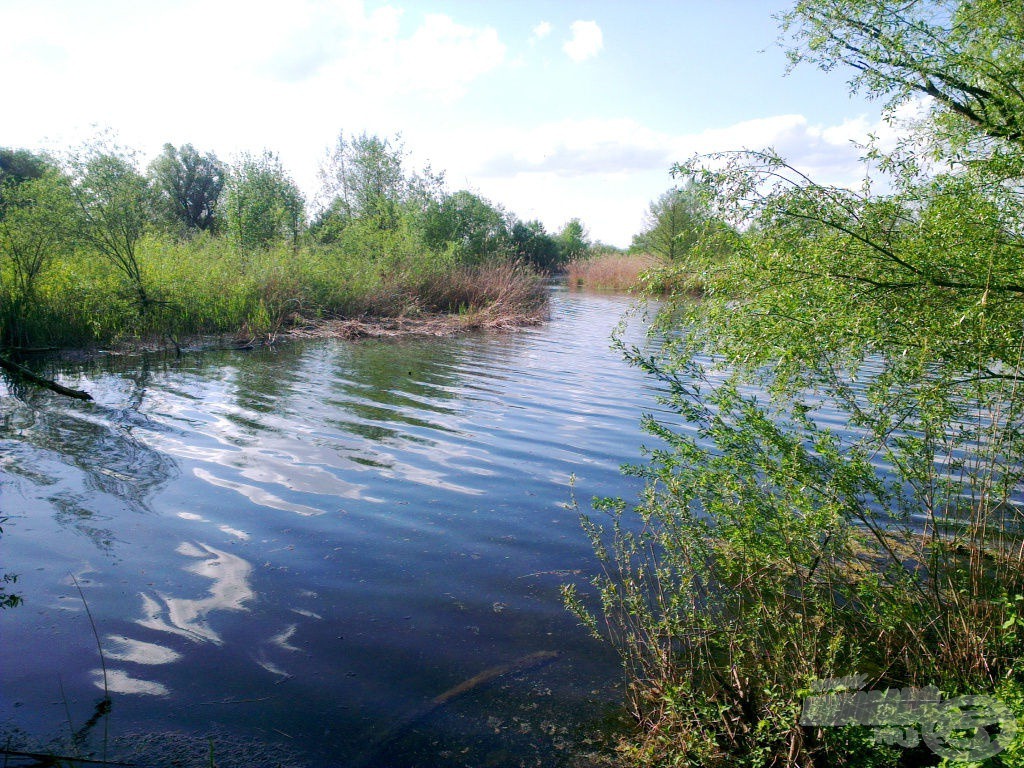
{"x":554,"y":110}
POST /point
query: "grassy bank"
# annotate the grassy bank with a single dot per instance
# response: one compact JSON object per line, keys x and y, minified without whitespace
{"x":206,"y":286}
{"x":94,"y":250}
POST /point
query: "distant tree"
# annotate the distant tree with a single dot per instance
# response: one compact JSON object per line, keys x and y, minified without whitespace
{"x":262,"y":203}
{"x":674,"y":223}
{"x":362,"y":180}
{"x":187,"y":187}
{"x":17,"y":165}
{"x":113,"y":203}
{"x":572,"y":240}
{"x":531,"y":242}
{"x":475,"y":227}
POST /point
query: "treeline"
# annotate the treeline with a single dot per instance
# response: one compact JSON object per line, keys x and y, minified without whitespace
{"x":94,"y":247}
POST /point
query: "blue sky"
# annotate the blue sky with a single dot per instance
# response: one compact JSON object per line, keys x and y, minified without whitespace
{"x":553,"y":109}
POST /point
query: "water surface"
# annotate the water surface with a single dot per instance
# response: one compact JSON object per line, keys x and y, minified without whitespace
{"x":301,"y":547}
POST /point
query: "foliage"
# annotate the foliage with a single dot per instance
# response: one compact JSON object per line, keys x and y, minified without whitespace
{"x":530,"y":242}
{"x":767,"y":550}
{"x":113,"y":201}
{"x":363,"y":179}
{"x":474,"y":227}
{"x":36,"y":226}
{"x":254,"y":275}
{"x":572,"y":240}
{"x":188,"y":187}
{"x":674,"y":223}
{"x":18,"y":165}
{"x":262,"y":203}
{"x":966,"y":55}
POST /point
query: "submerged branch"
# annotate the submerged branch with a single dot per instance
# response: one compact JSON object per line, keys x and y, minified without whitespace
{"x":25,"y":373}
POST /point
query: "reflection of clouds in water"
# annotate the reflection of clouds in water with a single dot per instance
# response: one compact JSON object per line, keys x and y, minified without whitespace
{"x":119,"y":681}
{"x":290,"y":463}
{"x":421,"y":475}
{"x":121,"y":648}
{"x":271,"y":667}
{"x":256,"y":495}
{"x":230,"y":591}
{"x":238,"y":534}
{"x":281,"y":638}
{"x":184,"y":617}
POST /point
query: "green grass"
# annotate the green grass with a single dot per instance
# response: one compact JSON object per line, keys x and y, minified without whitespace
{"x":208,"y":286}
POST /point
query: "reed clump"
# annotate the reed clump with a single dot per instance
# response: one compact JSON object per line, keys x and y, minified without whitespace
{"x":612,"y":271}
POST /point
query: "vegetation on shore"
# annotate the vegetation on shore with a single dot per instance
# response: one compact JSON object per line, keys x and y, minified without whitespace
{"x":770,"y":552}
{"x":96,"y":251}
{"x":611,"y":271}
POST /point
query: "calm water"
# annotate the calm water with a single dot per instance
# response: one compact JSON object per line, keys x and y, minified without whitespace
{"x":296,"y":549}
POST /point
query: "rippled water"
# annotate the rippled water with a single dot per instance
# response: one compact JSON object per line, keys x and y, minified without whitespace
{"x":302,"y":547}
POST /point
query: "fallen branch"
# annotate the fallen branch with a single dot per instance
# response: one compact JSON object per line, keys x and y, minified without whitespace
{"x":25,"y":373}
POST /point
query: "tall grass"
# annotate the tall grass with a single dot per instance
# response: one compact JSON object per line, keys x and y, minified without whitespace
{"x":207,"y":285}
{"x":612,"y":271}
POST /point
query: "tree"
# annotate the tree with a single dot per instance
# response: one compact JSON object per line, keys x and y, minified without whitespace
{"x":188,"y":186}
{"x":473,"y":226}
{"x":262,"y":203}
{"x":531,"y":242}
{"x":965,"y":54}
{"x":37,"y":224}
{"x":362,"y":179}
{"x":774,"y":549}
{"x":572,"y":240}
{"x":113,"y":202}
{"x":17,"y":165}
{"x":674,"y":223}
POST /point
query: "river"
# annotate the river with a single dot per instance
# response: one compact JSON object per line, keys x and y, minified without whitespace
{"x":295,"y":550}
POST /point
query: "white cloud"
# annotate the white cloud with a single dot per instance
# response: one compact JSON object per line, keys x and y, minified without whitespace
{"x":606,"y":171}
{"x":541,"y":31}
{"x":586,"y":41}
{"x":368,"y":53}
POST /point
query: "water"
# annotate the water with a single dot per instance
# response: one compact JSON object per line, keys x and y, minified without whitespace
{"x":297,"y":549}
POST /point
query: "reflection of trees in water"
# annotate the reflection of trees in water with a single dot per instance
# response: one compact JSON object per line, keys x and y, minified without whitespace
{"x":401,"y":381}
{"x":76,"y":457}
{"x":396,"y":369}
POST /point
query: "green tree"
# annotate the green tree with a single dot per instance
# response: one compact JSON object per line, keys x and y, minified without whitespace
{"x":674,"y":223}
{"x":17,"y":165}
{"x":572,"y":240}
{"x":262,"y":203}
{"x":188,"y":187}
{"x":37,"y":224}
{"x":362,"y":180}
{"x":967,"y":55}
{"x":773,"y":550}
{"x":114,"y":204}
{"x":531,"y":243}
{"x":473,"y":226}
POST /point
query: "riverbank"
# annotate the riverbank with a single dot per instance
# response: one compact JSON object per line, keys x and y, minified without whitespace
{"x":264,"y":307}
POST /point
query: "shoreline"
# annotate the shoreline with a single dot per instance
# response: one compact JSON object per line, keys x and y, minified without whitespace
{"x":490,"y":319}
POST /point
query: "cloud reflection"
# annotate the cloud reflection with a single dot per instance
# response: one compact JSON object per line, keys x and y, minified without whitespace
{"x":187,"y":617}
